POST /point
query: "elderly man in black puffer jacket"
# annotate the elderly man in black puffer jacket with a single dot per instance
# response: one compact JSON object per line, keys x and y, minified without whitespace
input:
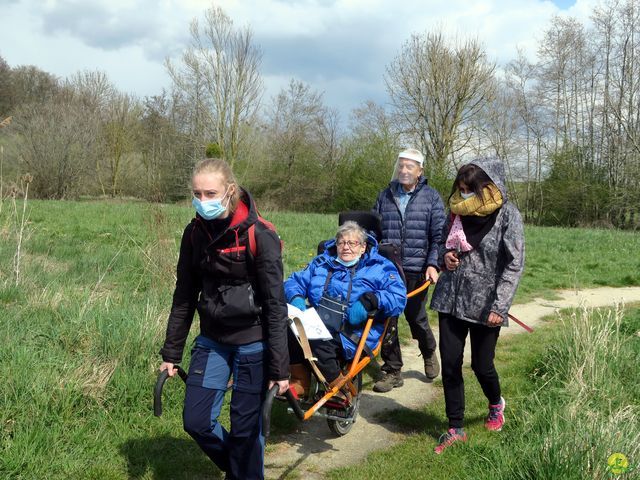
{"x":412,"y":218}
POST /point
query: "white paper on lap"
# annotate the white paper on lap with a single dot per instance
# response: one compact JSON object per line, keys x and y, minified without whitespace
{"x":311,"y":321}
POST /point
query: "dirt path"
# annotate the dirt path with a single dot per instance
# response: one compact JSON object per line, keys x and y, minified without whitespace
{"x":313,"y":449}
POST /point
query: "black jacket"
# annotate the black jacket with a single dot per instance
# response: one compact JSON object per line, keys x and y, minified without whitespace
{"x":239,"y":297}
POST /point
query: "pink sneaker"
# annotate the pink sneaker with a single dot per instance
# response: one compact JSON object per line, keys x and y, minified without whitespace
{"x":451,"y":436}
{"x":495,"y":419}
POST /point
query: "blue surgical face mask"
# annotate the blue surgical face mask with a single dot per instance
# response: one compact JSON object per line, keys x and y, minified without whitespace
{"x":467,"y":195}
{"x":350,"y":263}
{"x":210,"y":209}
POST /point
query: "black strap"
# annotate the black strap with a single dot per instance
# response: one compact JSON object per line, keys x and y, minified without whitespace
{"x":327,"y":280}
{"x":366,"y":349}
{"x":352,"y":336}
{"x":352,"y":272}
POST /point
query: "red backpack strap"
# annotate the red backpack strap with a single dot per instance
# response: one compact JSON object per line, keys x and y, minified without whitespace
{"x":252,"y":239}
{"x":271,"y":227}
{"x":251,"y":233}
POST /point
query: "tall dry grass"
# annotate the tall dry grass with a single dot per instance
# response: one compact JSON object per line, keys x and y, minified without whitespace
{"x":20,"y":219}
{"x":585,"y":406}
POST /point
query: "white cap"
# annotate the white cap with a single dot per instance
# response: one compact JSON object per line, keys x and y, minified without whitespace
{"x":412,"y":154}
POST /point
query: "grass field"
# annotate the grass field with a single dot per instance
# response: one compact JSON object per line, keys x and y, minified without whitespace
{"x":572,"y":401}
{"x":81,"y":330}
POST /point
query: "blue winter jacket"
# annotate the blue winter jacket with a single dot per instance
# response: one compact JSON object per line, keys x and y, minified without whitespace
{"x":419,"y":234}
{"x":373,"y":273}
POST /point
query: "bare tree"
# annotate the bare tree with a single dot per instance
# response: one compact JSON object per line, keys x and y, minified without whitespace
{"x":295,"y":148}
{"x":618,"y":36}
{"x":563,"y":71}
{"x":29,"y":84}
{"x":532,"y":132}
{"x":294,"y":117}
{"x":164,"y":150}
{"x":328,"y":126}
{"x":120,"y":132}
{"x":4,"y":122}
{"x":93,"y":89}
{"x":220,"y":77}
{"x":497,"y":126}
{"x":54,"y":139}
{"x":371,"y":121}
{"x":436,"y":89}
{"x":5,"y":88}
{"x":370,"y":151}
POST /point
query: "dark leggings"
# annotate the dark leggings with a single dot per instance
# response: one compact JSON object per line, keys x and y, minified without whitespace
{"x":416,"y":317}
{"x":328,"y":352}
{"x":453,"y":333}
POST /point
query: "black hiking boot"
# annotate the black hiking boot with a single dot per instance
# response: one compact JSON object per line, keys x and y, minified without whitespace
{"x":388,"y":382}
{"x":431,"y":367}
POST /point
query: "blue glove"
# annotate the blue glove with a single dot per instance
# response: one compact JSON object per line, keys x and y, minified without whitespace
{"x":356,"y":313}
{"x":299,"y":303}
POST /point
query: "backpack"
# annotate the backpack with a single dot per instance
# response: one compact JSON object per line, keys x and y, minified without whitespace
{"x":230,"y":296}
{"x":392,"y":252}
{"x":251,"y":233}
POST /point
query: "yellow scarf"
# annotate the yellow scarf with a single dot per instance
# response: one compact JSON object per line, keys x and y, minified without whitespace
{"x":491,"y":200}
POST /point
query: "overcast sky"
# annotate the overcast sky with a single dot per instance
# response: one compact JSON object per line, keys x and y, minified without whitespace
{"x":340,"y":48}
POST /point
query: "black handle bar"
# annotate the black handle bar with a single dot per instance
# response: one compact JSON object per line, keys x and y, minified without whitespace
{"x":157,"y":390}
{"x":266,"y":406}
{"x":266,"y":410}
{"x":268,"y":403}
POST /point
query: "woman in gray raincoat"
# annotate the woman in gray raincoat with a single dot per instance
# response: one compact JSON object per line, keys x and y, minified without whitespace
{"x":482,"y":257}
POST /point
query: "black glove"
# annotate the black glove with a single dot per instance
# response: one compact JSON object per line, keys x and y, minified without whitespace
{"x":370,"y":302}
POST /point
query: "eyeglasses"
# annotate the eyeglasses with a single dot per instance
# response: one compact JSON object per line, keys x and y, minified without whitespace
{"x":349,"y":243}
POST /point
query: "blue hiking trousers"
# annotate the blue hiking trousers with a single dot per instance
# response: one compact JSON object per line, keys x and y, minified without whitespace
{"x":239,"y":452}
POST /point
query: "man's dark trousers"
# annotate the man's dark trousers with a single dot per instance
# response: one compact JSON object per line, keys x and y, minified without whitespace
{"x":416,"y":316}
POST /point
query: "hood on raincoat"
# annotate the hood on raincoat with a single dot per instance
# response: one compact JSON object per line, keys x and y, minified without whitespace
{"x":494,"y":168}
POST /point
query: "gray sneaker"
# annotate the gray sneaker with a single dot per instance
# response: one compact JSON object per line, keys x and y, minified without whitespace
{"x":388,"y":382}
{"x":431,"y":367}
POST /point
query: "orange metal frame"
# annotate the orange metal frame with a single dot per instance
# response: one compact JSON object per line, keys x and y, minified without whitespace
{"x":358,"y":364}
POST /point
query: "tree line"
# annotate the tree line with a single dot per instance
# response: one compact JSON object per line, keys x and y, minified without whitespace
{"x":567,"y":124}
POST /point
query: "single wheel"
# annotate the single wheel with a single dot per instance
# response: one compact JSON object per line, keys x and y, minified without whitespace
{"x":340,"y":428}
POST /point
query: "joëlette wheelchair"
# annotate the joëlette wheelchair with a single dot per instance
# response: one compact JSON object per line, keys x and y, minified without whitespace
{"x":321,"y":400}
